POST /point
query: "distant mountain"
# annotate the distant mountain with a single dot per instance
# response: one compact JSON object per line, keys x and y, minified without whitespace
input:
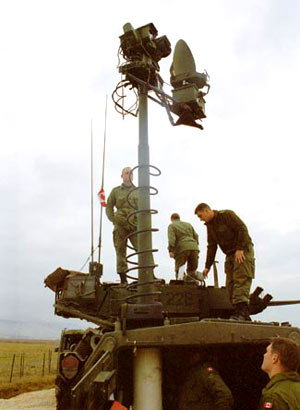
{"x":14,"y":329}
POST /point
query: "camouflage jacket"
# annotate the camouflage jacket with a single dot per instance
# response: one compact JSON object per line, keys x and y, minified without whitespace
{"x":228,"y":231}
{"x":118,"y":199}
{"x":182,"y":237}
{"x":282,"y":392}
{"x":204,"y":389}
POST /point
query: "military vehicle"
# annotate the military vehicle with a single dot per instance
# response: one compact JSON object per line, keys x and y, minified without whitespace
{"x":137,"y":354}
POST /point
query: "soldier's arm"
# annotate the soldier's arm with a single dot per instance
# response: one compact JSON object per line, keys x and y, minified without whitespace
{"x":110,"y":213}
{"x":171,"y":238}
{"x":195,"y":236}
{"x":218,"y":390}
{"x":273,"y":402}
{"x":239,"y":227}
{"x":211,"y":249}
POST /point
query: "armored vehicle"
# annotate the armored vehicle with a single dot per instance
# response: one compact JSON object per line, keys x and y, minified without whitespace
{"x":137,"y":354}
{"x":106,"y":363}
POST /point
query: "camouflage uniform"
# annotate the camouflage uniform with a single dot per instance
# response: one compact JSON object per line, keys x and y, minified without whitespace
{"x":282,"y":392}
{"x":204,"y":389}
{"x":122,"y":228}
{"x":228,"y":231}
{"x":183,"y":242}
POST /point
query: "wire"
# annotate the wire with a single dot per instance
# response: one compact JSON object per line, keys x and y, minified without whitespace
{"x":117,"y":99}
{"x":89,"y":257}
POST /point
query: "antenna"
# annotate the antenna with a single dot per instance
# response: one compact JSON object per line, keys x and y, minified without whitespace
{"x":92,"y":201}
{"x":101,"y":193}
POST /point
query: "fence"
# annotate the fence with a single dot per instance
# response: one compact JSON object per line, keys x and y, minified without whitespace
{"x":26,"y":364}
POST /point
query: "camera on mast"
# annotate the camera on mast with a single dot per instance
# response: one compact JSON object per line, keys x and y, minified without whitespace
{"x":142,"y":50}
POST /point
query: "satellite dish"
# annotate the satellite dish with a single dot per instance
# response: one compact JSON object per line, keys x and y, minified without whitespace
{"x":183,"y":60}
{"x":183,"y":68}
{"x":188,"y":96}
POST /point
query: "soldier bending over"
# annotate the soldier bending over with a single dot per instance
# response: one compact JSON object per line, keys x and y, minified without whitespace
{"x":226,"y":229}
{"x":183,"y":245}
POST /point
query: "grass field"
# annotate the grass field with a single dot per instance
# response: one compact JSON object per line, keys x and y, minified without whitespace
{"x":26,"y":365}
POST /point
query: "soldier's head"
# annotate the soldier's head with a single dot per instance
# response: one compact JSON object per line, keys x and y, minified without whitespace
{"x":204,"y":212}
{"x":127,"y":176}
{"x":175,"y":217}
{"x":281,"y":355}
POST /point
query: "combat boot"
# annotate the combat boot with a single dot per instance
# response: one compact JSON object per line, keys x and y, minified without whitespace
{"x":241,"y":312}
{"x":237,"y":315}
{"x":245,"y":310}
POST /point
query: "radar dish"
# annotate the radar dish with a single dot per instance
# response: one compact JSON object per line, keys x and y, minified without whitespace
{"x":183,"y":60}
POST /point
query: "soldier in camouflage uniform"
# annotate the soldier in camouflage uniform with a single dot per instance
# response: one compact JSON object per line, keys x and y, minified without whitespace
{"x":118,"y":199}
{"x":183,"y":245}
{"x":281,"y":361}
{"x":204,"y":388}
{"x":226,"y":229}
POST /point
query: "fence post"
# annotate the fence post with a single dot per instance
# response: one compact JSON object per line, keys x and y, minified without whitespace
{"x":20,"y":369}
{"x":49,"y":360}
{"x":44,"y":359}
{"x":12,"y":368}
{"x":23,"y":364}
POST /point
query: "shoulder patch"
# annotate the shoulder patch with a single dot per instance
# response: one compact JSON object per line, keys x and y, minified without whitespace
{"x":268,"y":405}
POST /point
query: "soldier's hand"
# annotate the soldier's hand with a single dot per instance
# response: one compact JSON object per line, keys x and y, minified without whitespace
{"x":205,"y":272}
{"x":239,"y":256}
{"x":171,"y":254}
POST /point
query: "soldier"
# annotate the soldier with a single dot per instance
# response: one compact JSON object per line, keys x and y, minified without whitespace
{"x":204,"y":388}
{"x":226,"y":229}
{"x":118,"y":199}
{"x":183,"y":245}
{"x":281,"y":362}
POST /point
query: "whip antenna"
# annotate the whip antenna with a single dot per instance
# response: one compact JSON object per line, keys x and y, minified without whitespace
{"x":92,"y":201}
{"x":101,"y":193}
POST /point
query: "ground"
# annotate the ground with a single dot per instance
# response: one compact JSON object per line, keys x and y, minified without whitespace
{"x":39,"y":400}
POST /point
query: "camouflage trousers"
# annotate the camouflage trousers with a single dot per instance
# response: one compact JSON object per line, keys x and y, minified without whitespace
{"x":120,"y":243}
{"x":189,"y":257}
{"x":239,"y":276}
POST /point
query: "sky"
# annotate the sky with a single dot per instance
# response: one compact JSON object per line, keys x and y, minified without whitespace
{"x":59,"y":62}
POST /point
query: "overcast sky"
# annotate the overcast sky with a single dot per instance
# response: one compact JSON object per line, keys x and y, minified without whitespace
{"x":58,"y":63}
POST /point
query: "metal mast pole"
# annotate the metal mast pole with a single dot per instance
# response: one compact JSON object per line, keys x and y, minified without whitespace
{"x":142,"y":51}
{"x":147,"y":362}
{"x":144,"y":218}
{"x":147,"y":379}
